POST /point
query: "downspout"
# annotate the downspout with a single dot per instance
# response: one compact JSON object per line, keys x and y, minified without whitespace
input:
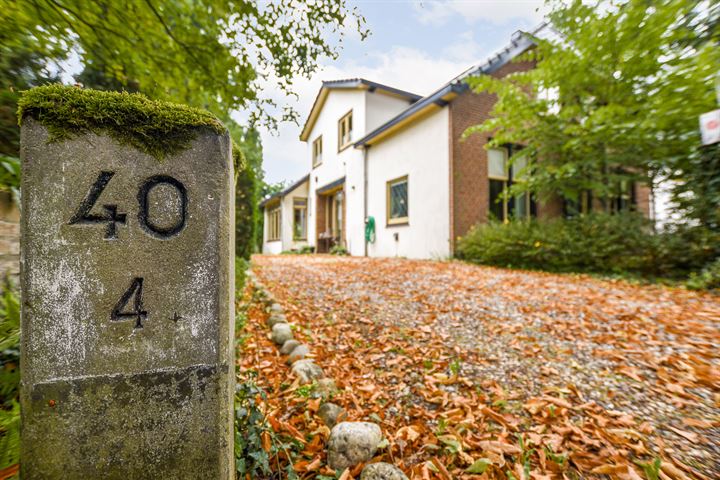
{"x":365,"y":193}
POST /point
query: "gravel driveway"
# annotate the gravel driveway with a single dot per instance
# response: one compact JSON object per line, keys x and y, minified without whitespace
{"x":634,"y":371}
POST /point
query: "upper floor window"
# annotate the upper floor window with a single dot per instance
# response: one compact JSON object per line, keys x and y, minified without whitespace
{"x":317,"y":151}
{"x":345,"y":131}
{"x":397,"y":201}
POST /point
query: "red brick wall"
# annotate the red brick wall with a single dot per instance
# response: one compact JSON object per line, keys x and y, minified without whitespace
{"x":643,"y":199}
{"x":469,"y":186}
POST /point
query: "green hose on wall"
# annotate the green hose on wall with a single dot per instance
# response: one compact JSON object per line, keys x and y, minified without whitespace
{"x":370,"y":230}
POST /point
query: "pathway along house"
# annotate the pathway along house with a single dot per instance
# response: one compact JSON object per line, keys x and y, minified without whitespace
{"x":395,"y":160}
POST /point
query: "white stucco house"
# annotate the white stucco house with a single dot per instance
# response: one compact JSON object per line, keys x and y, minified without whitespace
{"x":389,"y":174}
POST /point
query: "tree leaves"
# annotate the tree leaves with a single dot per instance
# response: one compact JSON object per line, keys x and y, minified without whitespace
{"x":614,"y":96}
{"x":212,"y":53}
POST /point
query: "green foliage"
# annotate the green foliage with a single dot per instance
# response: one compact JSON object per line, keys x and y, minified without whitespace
{"x":248,"y":218}
{"x":258,"y":449}
{"x":615,"y":96}
{"x":156,"y":128}
{"x":304,"y":250}
{"x":9,"y":376}
{"x":246,"y":205}
{"x":23,"y":65}
{"x":651,"y":469}
{"x":10,"y":176}
{"x":594,"y":243}
{"x":338,"y":250}
{"x":697,"y":186}
{"x":212,"y":54}
{"x":707,"y":279}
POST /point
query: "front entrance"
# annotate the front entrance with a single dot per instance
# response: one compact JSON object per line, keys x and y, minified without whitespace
{"x":331,"y":219}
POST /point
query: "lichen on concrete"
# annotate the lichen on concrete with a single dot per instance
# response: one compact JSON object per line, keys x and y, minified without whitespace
{"x":157,"y":128}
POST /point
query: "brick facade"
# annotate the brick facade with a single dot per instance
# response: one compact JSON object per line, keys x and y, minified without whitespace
{"x":469,"y":186}
{"x":644,"y":200}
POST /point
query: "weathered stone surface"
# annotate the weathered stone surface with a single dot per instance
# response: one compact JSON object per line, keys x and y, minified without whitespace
{"x":382,"y":471}
{"x":307,"y":371}
{"x":298,"y":353}
{"x":289,"y":346}
{"x":276,"y":308}
{"x":281,"y":333}
{"x":325,"y":388}
{"x":352,"y":443}
{"x":127,"y":322}
{"x":330,"y":413}
{"x":276,"y":318}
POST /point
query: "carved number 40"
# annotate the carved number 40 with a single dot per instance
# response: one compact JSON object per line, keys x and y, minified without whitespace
{"x":125,"y":309}
{"x":84,"y":215}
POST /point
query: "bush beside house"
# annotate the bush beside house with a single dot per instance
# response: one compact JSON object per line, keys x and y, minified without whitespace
{"x":623,"y":244}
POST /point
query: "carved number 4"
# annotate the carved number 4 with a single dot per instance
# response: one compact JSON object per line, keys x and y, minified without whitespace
{"x":83,"y":215}
{"x":136,"y":290}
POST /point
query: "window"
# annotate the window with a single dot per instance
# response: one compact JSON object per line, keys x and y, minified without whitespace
{"x":274,"y":224}
{"x":345,"y":131}
{"x":624,"y":198}
{"x":299,"y":219}
{"x":580,"y":204}
{"x":397,"y":201}
{"x":501,"y":177}
{"x":317,"y":151}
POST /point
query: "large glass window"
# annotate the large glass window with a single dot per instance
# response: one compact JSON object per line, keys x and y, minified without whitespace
{"x":397,"y":201}
{"x":501,"y":177}
{"x":299,"y":219}
{"x":497,"y":163}
{"x":345,"y":131}
{"x":274,"y":224}
{"x":624,"y":198}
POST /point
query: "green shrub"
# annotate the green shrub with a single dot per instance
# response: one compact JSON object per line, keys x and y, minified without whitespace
{"x":246,"y":205}
{"x":338,"y":250}
{"x":588,"y":243}
{"x":707,"y":279}
{"x":304,"y":250}
{"x":595,"y":243}
{"x":9,"y":376}
{"x":260,"y":452}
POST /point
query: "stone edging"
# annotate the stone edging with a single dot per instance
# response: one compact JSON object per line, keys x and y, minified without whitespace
{"x":350,"y":443}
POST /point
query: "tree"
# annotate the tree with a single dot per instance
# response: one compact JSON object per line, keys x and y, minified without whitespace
{"x":208,"y":53}
{"x":614,"y":97}
{"x":21,"y":67}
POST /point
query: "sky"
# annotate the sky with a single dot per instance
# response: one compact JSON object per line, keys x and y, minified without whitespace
{"x":414,"y":45}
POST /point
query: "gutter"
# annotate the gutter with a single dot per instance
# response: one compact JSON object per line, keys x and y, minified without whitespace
{"x":365,"y":193}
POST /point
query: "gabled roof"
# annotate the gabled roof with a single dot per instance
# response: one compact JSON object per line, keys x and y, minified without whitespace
{"x":349,"y":84}
{"x":520,"y":42}
{"x":286,"y":191}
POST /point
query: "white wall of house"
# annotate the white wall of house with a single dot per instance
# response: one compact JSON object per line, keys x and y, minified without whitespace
{"x":380,"y":108}
{"x":370,"y":110}
{"x":422,"y":153}
{"x":287,"y":218}
{"x":333,"y":166}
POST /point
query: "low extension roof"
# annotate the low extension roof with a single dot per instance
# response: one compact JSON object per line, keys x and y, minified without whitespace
{"x":349,"y":84}
{"x":520,"y":42}
{"x":286,"y":191}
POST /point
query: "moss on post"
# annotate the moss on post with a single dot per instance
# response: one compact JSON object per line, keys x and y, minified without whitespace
{"x":157,"y":128}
